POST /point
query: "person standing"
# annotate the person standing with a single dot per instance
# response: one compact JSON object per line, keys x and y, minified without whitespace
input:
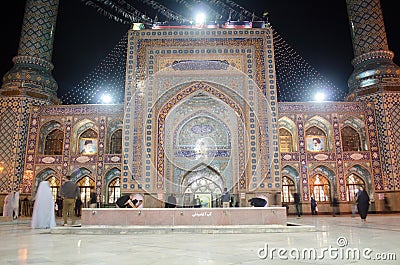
{"x":335,"y":206}
{"x":78,"y":207}
{"x":25,"y":206}
{"x":363,"y":204}
{"x":69,"y":192}
{"x":196,"y":202}
{"x":297,"y":204}
{"x":93,"y":199}
{"x":171,"y":201}
{"x":8,"y":205}
{"x":313,"y":206}
{"x":15,"y":205}
{"x":226,"y":198}
{"x":43,"y":210}
{"x":59,"y":203}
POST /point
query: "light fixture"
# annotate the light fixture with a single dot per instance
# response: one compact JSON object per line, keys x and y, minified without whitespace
{"x":200,"y":19}
{"x":106,"y":99}
{"x":319,"y":96}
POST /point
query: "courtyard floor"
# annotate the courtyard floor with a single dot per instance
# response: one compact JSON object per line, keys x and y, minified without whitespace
{"x":336,"y":240}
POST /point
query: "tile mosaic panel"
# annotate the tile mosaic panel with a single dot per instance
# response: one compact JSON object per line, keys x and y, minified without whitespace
{"x":368,"y":27}
{"x":341,"y":184}
{"x":186,"y":50}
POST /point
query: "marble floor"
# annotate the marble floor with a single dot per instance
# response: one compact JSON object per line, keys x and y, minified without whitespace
{"x":337,"y":240}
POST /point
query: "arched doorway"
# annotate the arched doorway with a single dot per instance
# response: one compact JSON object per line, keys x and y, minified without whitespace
{"x":205,"y":184}
{"x":85,"y":184}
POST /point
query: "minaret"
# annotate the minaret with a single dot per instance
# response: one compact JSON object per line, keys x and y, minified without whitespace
{"x":376,"y":81}
{"x":31,"y":75}
{"x":374,"y":69}
{"x":27,"y":85}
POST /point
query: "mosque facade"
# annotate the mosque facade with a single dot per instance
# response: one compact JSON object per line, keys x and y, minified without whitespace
{"x":201,"y":113}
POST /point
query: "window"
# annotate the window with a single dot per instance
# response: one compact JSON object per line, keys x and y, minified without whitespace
{"x":116,"y":142}
{"x":350,"y":139}
{"x":114,"y":191}
{"x":54,"y":143}
{"x":88,"y":142}
{"x":288,"y":189}
{"x":352,"y":184}
{"x":319,"y":188}
{"x":315,"y":139}
{"x":54,"y":186}
{"x":285,"y":141}
{"x":85,"y":184}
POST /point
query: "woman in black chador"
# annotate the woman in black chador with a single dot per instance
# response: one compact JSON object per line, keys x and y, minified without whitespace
{"x":363,"y":203}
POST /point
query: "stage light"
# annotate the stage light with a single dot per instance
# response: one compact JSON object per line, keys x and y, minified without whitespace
{"x":319,"y":96}
{"x":106,"y":99}
{"x":200,"y":19}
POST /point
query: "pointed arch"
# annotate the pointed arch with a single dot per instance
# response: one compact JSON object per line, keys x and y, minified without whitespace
{"x":80,"y":173}
{"x":170,"y":103}
{"x":45,"y":130}
{"x":291,"y":137}
{"x":320,"y":123}
{"x":322,"y":183}
{"x":362,"y":172}
{"x":114,"y":137}
{"x":112,"y":185}
{"x":202,"y":179}
{"x":45,"y":174}
{"x":79,"y":129}
{"x":356,"y":141}
{"x":225,"y":138}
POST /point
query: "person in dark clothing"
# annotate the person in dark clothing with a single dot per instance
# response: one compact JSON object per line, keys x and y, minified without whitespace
{"x":126,"y":201}
{"x":313,"y":206}
{"x":93,"y":200}
{"x":335,"y":206}
{"x":257,"y":202}
{"x":196,"y":202}
{"x":59,"y":203}
{"x":226,"y":198}
{"x":78,"y":207}
{"x":171,"y":201}
{"x":363,"y":204}
{"x":386,"y":204}
{"x":297,"y":203}
{"x":69,"y":193}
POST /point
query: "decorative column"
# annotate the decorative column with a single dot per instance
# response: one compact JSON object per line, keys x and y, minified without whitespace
{"x":31,"y":74}
{"x":376,"y":80}
{"x":28,"y":84}
{"x":374,"y":69}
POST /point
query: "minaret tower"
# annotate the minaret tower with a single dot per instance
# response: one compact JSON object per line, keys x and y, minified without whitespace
{"x":28,"y":84}
{"x":31,"y":75}
{"x":374,"y":70}
{"x":376,"y":80}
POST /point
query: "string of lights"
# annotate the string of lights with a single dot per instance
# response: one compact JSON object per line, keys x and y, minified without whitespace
{"x":106,"y":80}
{"x":296,"y":79}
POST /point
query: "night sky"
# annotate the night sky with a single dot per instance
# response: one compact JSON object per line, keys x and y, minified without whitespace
{"x":317,"y":30}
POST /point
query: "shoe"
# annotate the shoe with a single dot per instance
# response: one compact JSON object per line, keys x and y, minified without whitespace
{"x":76,"y":225}
{"x":65,"y":225}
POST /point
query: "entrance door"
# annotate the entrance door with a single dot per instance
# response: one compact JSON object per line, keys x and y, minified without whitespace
{"x":206,"y":184}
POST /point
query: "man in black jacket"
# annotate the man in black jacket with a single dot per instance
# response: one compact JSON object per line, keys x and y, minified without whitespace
{"x":69,"y":192}
{"x":126,"y":201}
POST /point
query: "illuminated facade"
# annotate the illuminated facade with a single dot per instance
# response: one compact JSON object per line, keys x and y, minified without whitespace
{"x":200,"y":113}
